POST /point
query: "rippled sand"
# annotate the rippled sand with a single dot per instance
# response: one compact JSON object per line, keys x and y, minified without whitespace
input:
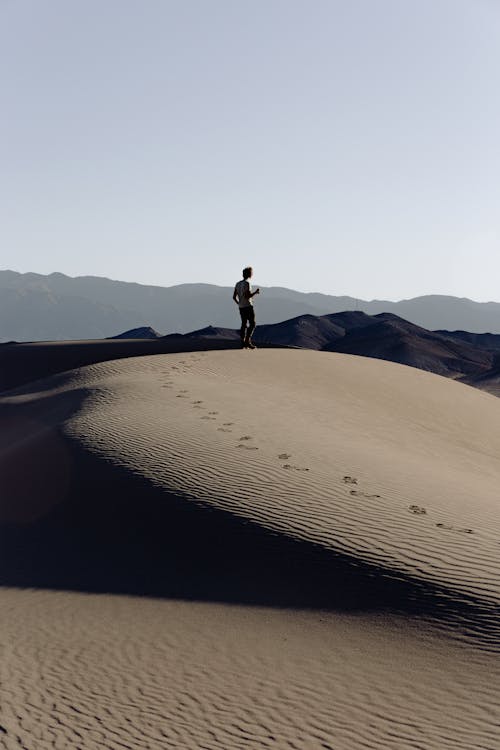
{"x":331,"y":524}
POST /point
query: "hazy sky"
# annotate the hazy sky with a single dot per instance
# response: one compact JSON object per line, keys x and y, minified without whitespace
{"x":349,"y":147}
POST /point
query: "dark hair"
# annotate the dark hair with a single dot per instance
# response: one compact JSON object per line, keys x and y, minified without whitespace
{"x":247,"y":272}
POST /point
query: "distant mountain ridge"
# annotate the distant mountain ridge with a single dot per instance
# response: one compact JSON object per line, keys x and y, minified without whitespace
{"x":34,"y":307}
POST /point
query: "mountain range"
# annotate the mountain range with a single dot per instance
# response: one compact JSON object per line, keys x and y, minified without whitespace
{"x":34,"y":307}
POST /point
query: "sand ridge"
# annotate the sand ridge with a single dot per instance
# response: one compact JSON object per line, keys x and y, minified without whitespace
{"x":391,"y":465}
{"x":384,"y":476}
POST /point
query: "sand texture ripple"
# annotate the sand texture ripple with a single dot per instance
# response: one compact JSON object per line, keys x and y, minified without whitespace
{"x":269,"y":549}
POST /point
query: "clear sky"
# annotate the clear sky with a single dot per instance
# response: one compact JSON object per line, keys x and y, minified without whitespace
{"x":342,"y":146}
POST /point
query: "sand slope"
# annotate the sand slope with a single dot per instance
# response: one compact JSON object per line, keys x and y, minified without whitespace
{"x":372,"y":488}
{"x":343,"y":452}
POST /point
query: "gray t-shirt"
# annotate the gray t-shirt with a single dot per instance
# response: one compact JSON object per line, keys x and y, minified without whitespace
{"x":243,"y":290}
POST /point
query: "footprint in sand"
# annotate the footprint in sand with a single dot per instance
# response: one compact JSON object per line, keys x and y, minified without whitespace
{"x":228,"y":424}
{"x":356,"y":493}
{"x":213,"y":412}
{"x":448,"y":527}
{"x":350,"y":480}
{"x":223,"y":429}
{"x":246,"y":437}
{"x":181,"y":395}
{"x":284,"y":456}
{"x":196,"y":402}
{"x":291,"y":467}
{"x":248,"y":447}
{"x":206,"y":417}
{"x":184,"y":390}
{"x":417,"y":510}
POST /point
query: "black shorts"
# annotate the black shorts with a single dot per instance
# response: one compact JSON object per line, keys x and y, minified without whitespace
{"x":247,"y":315}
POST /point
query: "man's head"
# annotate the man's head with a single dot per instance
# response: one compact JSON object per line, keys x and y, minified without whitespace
{"x":247,"y":272}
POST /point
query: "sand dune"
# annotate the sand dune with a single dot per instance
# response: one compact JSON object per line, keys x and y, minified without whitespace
{"x":320,"y":531}
{"x":21,"y":363}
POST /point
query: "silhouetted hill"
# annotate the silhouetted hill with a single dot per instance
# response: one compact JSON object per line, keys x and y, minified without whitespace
{"x":213,"y":332}
{"x":488,"y":380}
{"x":392,"y":338}
{"x":488,"y":341}
{"x":308,"y":331}
{"x":146,"y":332}
{"x":383,"y":336}
{"x":34,"y":307}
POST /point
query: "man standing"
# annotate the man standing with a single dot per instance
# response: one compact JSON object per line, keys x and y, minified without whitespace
{"x":242,"y":295}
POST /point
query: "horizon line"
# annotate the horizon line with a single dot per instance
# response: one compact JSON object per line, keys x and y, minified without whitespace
{"x":269,"y":286}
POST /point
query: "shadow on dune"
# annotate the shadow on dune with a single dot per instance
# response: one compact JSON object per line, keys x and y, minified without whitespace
{"x":100,"y":528}
{"x":115,"y":532}
{"x":81,"y":523}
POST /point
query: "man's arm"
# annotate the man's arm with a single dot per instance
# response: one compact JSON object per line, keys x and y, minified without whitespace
{"x":235,"y":296}
{"x":248,"y":294}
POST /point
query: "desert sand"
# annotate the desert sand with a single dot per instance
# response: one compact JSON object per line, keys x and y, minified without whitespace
{"x":23,"y":362}
{"x":233,"y":549}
